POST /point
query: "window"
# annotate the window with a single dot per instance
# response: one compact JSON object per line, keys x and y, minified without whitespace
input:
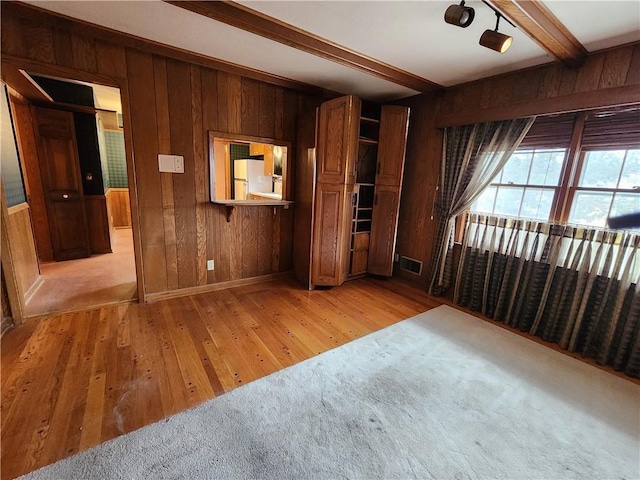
{"x":545,"y":179}
{"x":608,"y":185}
{"x":527,"y":185}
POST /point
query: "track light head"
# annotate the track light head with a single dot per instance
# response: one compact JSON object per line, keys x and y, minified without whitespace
{"x":496,"y":41}
{"x":459,"y":15}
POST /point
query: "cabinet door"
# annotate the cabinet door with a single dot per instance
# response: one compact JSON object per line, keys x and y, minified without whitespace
{"x":394,"y":124}
{"x":384,"y":224}
{"x":330,"y":235}
{"x":337,"y":145}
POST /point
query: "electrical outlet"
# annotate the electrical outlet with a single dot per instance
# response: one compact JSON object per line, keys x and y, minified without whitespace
{"x":179,"y":165}
{"x":209,"y":264}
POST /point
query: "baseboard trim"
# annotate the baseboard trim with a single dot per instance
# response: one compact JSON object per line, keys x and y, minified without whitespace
{"x":33,"y":288}
{"x":54,"y":313}
{"x":184,"y":292}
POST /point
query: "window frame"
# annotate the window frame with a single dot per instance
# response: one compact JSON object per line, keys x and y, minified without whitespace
{"x":571,"y":172}
{"x":575,"y":187}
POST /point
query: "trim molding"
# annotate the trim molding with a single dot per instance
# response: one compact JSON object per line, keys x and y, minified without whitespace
{"x":258,"y":23}
{"x":17,"y":208}
{"x":82,"y":28}
{"x":184,"y":292}
{"x":544,"y":28}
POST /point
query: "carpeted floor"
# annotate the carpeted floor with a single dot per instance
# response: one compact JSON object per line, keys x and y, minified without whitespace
{"x":441,"y":395}
{"x":86,"y":282}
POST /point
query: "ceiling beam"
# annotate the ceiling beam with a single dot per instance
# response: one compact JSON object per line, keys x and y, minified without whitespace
{"x":539,"y":23}
{"x":258,"y":23}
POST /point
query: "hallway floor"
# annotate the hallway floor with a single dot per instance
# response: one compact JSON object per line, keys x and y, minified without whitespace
{"x":88,"y":282}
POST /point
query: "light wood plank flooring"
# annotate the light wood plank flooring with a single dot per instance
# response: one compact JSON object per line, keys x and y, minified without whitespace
{"x":72,"y":381}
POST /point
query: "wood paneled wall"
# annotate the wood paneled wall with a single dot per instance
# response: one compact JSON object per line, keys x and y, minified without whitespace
{"x":118,"y":207}
{"x":98,"y":223}
{"x":170,"y":107}
{"x":416,"y":229}
{"x":23,"y":250}
{"x":609,"y":77}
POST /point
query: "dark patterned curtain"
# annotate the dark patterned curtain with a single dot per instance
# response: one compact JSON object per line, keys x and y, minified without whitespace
{"x":577,"y":287}
{"x":472,"y":156}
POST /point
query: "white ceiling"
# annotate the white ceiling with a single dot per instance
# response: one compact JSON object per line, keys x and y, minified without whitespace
{"x":408,"y":35}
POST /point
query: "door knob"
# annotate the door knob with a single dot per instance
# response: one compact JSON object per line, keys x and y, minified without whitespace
{"x":65,"y":195}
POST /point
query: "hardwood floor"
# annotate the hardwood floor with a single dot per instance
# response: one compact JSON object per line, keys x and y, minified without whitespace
{"x":72,"y":381}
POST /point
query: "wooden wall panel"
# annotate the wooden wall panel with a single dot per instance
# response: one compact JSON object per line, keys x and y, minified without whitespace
{"x":201,"y":173}
{"x":110,"y":59}
{"x":98,"y":220}
{"x":23,"y":249}
{"x":142,"y":106}
{"x":181,"y":128}
{"x":607,"y":77}
{"x":62,"y":47}
{"x":119,"y":208}
{"x":250,"y":107}
{"x":416,"y":228}
{"x":84,"y":53}
{"x":304,"y":187}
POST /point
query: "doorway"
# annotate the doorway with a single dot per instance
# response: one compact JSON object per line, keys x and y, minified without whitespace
{"x":74,"y":167}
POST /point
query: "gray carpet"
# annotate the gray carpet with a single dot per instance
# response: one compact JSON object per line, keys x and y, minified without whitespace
{"x":440,"y":395}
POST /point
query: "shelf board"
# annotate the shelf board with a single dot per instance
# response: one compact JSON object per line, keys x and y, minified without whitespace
{"x":369,"y":120}
{"x":368,"y":141}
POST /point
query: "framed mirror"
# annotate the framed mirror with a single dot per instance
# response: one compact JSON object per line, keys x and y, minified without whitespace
{"x":248,"y":170}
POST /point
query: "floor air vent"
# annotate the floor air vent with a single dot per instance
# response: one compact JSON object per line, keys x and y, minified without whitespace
{"x":410,"y":265}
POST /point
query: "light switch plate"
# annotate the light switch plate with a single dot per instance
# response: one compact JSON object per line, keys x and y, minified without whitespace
{"x":171,"y":163}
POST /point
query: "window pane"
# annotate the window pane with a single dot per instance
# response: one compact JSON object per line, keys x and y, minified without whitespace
{"x":517,"y":168}
{"x":602,"y":169}
{"x":537,"y":203}
{"x":508,"y":201}
{"x":484,"y":203}
{"x":631,"y":172}
{"x":590,"y":208}
{"x":624,"y":203}
{"x":546,"y":167}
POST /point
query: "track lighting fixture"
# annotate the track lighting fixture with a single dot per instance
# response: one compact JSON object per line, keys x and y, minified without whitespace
{"x":459,"y":15}
{"x":495,"y":40}
{"x":462,"y":16}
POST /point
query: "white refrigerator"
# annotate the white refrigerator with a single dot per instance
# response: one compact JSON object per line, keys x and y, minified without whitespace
{"x":249,"y":177}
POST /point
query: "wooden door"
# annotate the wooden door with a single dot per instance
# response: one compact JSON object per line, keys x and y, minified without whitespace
{"x":337,"y":145}
{"x":62,"y":183}
{"x":382,"y":240}
{"x":392,"y":143}
{"x":330,"y":235}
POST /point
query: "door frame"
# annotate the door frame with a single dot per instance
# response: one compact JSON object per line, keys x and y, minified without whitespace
{"x":16,"y":65}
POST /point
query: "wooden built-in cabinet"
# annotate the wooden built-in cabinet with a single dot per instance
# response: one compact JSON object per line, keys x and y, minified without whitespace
{"x":360,"y":149}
